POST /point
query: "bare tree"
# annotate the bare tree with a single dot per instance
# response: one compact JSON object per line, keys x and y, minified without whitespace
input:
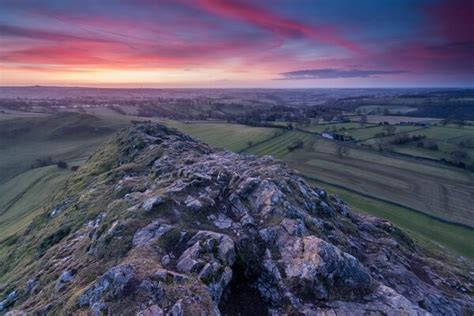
{"x":381,"y":143}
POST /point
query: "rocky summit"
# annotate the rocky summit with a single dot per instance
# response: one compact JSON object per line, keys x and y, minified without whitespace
{"x":156,"y":223}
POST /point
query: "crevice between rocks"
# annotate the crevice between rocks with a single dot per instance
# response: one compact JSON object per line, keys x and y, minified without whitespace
{"x":241,"y":297}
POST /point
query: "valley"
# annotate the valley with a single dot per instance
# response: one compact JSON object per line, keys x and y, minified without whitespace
{"x":405,"y":178}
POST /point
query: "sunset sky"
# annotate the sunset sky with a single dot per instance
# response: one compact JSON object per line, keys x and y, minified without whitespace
{"x":217,"y":43}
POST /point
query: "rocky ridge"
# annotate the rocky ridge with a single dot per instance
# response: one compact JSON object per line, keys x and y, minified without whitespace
{"x":157,"y":223}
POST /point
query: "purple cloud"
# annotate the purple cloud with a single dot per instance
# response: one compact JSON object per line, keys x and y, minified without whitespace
{"x":332,"y":73}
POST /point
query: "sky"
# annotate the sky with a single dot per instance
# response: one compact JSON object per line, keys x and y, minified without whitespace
{"x":238,"y":43}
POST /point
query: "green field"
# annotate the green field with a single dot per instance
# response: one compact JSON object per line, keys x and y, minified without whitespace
{"x":369,"y":132}
{"x":445,"y":133}
{"x":392,"y":119}
{"x":391,"y":109}
{"x":446,"y":138}
{"x":22,"y":197}
{"x":233,"y":137}
{"x":439,"y":191}
{"x":354,"y":129}
{"x":428,"y":231}
{"x":278,"y":147}
{"x":319,"y":128}
{"x":442,"y":192}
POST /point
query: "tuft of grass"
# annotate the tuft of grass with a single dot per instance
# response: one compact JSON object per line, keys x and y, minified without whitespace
{"x":170,"y":239}
{"x":52,"y":239}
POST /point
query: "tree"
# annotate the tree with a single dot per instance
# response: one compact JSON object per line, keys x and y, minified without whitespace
{"x":342,"y":151}
{"x":460,"y":123}
{"x":363,"y":119}
{"x":61,"y":164}
{"x":457,"y":156}
{"x":381,"y":143}
{"x":431,"y":145}
{"x":390,"y":129}
{"x":296,"y":145}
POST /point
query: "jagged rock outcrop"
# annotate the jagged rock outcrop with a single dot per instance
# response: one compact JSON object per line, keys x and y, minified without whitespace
{"x":159,"y":224}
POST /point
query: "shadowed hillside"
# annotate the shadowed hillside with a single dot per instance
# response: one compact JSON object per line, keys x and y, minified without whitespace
{"x":37,"y":155}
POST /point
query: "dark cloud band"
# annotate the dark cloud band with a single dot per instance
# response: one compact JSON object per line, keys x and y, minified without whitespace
{"x":332,"y":73}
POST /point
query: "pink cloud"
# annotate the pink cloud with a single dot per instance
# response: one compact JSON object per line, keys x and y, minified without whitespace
{"x":280,"y":25}
{"x":453,"y":19}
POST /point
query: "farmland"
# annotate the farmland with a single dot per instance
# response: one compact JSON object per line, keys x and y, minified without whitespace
{"x":366,"y":133}
{"x":278,"y":147}
{"x":233,"y":137}
{"x":428,"y":231}
{"x":320,"y":128}
{"x":436,"y":190}
{"x":412,"y":184}
{"x":422,"y":140}
{"x":442,"y":192}
{"x":392,"y":119}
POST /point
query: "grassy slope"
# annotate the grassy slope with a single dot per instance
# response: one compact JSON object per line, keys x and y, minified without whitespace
{"x":63,"y":137}
{"x":24,"y":190}
{"x":442,"y":192}
{"x":23,"y":196}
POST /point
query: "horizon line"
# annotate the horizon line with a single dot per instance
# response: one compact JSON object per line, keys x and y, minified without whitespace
{"x":234,"y":88}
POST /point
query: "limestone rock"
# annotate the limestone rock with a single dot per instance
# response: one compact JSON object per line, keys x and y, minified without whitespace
{"x":110,"y":286}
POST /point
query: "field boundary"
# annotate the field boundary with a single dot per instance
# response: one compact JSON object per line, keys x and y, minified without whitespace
{"x":374,"y":137}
